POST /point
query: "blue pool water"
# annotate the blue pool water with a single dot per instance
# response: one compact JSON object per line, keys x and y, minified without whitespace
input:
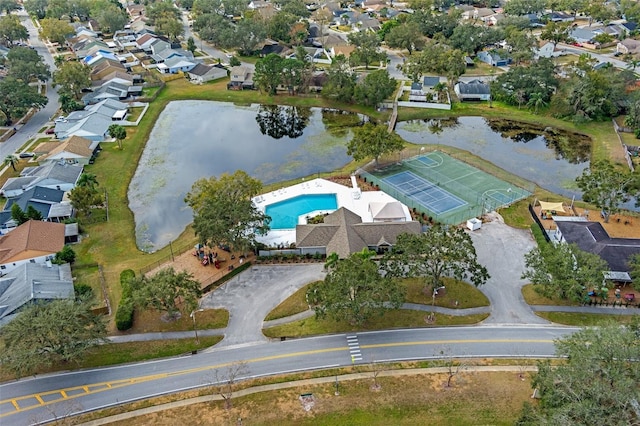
{"x":284,"y":214}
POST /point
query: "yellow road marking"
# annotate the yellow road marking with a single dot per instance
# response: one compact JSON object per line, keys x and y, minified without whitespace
{"x":114,"y":384}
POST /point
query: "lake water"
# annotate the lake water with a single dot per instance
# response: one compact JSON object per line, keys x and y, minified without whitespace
{"x":199,"y":139}
{"x":549,"y":158}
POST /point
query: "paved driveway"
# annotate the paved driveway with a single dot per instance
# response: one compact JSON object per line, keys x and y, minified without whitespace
{"x":501,"y":250}
{"x":251,"y":295}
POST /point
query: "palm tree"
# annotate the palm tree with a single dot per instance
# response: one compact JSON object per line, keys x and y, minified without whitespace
{"x":536,"y":101}
{"x":11,"y":160}
{"x":88,"y":179}
{"x":632,"y":64}
{"x":118,"y":132}
{"x":440,"y":89}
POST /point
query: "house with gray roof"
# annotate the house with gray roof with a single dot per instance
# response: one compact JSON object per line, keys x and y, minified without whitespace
{"x":61,"y":176}
{"x":202,"y":73}
{"x":33,"y":283}
{"x":92,"y":122}
{"x":343,"y":232}
{"x":241,"y":78}
{"x":48,"y":202}
{"x":176,"y":64}
{"x":474,"y":90}
{"x":593,"y":238}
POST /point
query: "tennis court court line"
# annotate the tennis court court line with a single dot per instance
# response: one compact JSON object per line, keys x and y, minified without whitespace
{"x":428,"y":203}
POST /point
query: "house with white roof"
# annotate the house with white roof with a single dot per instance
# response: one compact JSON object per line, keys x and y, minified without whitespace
{"x":92,"y":122}
{"x":202,"y":73}
{"x":55,"y":175}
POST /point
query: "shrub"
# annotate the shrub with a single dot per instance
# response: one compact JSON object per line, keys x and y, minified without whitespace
{"x":83,"y":291}
{"x":124,"y":314}
{"x":66,"y":255}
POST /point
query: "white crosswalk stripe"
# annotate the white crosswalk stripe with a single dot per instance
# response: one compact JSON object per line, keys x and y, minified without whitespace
{"x":354,"y":348}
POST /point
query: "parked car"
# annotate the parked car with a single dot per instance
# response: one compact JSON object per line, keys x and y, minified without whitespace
{"x":50,"y":131}
{"x":26,"y":155}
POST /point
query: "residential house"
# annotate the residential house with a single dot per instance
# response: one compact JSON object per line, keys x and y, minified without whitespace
{"x":92,"y":122}
{"x":75,"y":150}
{"x":560,"y":17}
{"x":144,"y":42}
{"x":176,"y":64}
{"x":582,"y":35}
{"x":494,"y":58}
{"x":111,"y":90}
{"x":202,"y":73}
{"x":115,"y":76}
{"x":32,"y":242}
{"x":317,"y":81}
{"x":317,"y":55}
{"x":135,"y":10}
{"x":430,"y":82}
{"x":494,"y":19}
{"x":628,"y":46}
{"x":344,"y":233}
{"x":593,"y":238}
{"x":477,"y":13}
{"x":548,"y":50}
{"x":50,"y":203}
{"x":474,"y":90}
{"x":58,"y":176}
{"x":366,"y":23}
{"x":241,"y":78}
{"x":33,"y":283}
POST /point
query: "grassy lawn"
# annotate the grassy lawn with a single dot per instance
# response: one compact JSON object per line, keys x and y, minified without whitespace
{"x":391,"y":319}
{"x":294,"y":304}
{"x":494,"y":398}
{"x":150,"y":321}
{"x":20,"y":165}
{"x":134,"y":113}
{"x":583,"y":320}
{"x":532,"y":297}
{"x":90,"y":276}
{"x":517,"y":215}
{"x":465,"y":294}
{"x":120,"y":353}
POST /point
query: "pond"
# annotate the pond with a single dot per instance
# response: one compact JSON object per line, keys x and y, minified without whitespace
{"x":198,"y":139}
{"x":549,"y":157}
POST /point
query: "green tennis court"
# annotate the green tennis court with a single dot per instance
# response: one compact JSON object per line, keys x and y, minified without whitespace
{"x":447,"y":189}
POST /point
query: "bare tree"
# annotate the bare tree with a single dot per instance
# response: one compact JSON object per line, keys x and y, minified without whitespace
{"x":376,"y":369}
{"x":225,"y":380}
{"x":453,"y":365}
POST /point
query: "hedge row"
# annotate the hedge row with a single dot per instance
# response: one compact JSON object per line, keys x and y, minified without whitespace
{"x":124,"y":314}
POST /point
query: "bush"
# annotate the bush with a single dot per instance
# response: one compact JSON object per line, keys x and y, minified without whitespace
{"x":124,"y":314}
{"x":66,"y":255}
{"x":83,"y":291}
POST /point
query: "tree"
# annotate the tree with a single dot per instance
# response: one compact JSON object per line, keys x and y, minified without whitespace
{"x":26,"y":64}
{"x":223,"y":212}
{"x":72,"y":77}
{"x":18,"y":215}
{"x":55,"y":30}
{"x":36,"y":7}
{"x":524,"y":7}
{"x":11,"y":30}
{"x":212,"y":27}
{"x":372,"y":140}
{"x":596,"y":384}
{"x":441,"y":251}
{"x":268,"y":73}
{"x":16,"y":97}
{"x":563,"y":271}
{"x":374,"y":88}
{"x":366,"y":50}
{"x":159,"y":10}
{"x":84,"y":198}
{"x":33,"y":214}
{"x":436,"y":58}
{"x":248,"y":34}
{"x":170,"y":26}
{"x":118,"y":132}
{"x":354,"y":291}
{"x":191,"y":45}
{"x":536,"y":100}
{"x":517,"y":85}
{"x":224,"y":382}
{"x":165,"y":290}
{"x":294,"y":75}
{"x":405,"y":36}
{"x":11,"y":160}
{"x":634,"y":269}
{"x":112,"y":19}
{"x":607,"y":187}
{"x":43,"y":334}
{"x":341,"y":81}
{"x":66,"y":255}
{"x":68,"y":103}
{"x":279,"y":27}
{"x":8,"y":6}
{"x":88,"y":180}
{"x":470,"y":38}
{"x":556,"y":32}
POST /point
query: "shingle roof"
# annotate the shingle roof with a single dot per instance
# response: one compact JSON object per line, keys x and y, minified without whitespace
{"x":593,"y":238}
{"x":34,"y":281}
{"x":474,"y":87}
{"x":344,"y":233}
{"x":75,"y":145}
{"x":33,"y":236}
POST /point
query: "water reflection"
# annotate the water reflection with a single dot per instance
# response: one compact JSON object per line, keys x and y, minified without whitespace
{"x":548,"y":157}
{"x":278,"y":121}
{"x":195,"y":139}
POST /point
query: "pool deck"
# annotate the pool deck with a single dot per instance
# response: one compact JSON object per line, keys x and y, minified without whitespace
{"x":351,"y":198}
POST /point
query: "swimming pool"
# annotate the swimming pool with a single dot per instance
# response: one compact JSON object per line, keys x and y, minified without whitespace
{"x":284,"y":214}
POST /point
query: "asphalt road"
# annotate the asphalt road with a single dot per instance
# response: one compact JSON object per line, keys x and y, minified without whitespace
{"x":45,"y":398}
{"x":40,"y":118}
